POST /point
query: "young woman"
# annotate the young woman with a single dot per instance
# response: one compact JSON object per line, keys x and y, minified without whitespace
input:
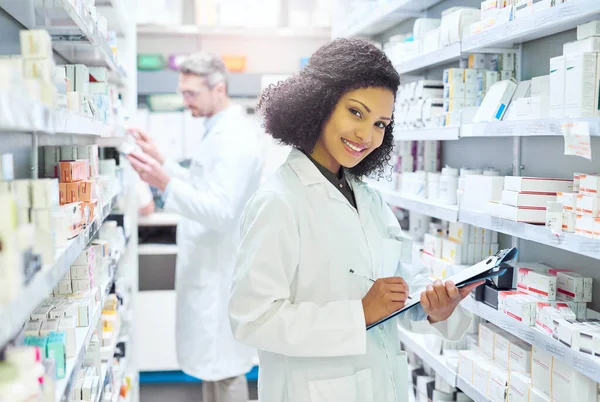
{"x":294,"y":297}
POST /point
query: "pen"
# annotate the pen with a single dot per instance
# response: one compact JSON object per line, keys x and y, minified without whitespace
{"x":370,"y":279}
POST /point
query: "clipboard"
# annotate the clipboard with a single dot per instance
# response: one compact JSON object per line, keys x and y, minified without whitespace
{"x":490,"y":267}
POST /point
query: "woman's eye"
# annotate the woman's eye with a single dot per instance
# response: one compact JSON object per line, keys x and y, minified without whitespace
{"x":380,"y":125}
{"x":355,"y":112}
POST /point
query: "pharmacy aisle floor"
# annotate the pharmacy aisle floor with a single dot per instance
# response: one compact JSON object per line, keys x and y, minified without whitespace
{"x":179,"y":392}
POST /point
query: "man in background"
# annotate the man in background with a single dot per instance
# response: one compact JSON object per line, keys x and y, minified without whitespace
{"x":210,"y":197}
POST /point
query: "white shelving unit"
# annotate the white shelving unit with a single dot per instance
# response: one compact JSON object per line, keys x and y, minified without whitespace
{"x":470,"y":390}
{"x":232,"y":32}
{"x":423,"y":206}
{"x":23,"y":115}
{"x":383,"y":15}
{"x":536,"y":233}
{"x":428,"y":134}
{"x":439,"y":57}
{"x":436,"y":362}
{"x":559,"y":18}
{"x":14,"y":314}
{"x":584,"y":363}
{"x":517,"y":128}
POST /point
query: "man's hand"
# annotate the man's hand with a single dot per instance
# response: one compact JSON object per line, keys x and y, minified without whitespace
{"x":440,"y":300}
{"x":385,"y":296}
{"x":149,"y":169}
{"x":147,"y":144}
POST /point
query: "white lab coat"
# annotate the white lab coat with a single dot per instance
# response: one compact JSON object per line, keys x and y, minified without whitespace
{"x":210,"y":197}
{"x":296,"y":302}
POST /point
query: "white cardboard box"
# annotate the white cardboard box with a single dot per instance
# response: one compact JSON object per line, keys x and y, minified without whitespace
{"x":519,"y":385}
{"x":572,"y":286}
{"x":482,"y":370}
{"x":581,"y":93}
{"x":498,"y":384}
{"x":538,"y":396}
{"x":487,"y":340}
{"x":569,"y":384}
{"x":496,"y":101}
{"x":540,"y":86}
{"x":588,"y":205}
{"x":584,"y":225}
{"x":524,"y":199}
{"x":537,"y":184}
{"x":589,"y":184}
{"x":557,"y":86}
{"x":541,"y":285}
{"x":520,"y":356}
{"x":479,"y":190}
{"x":452,"y":252}
{"x":587,"y":45}
{"x":541,"y":371}
{"x":502,"y":348}
{"x":592,"y":28}
{"x":527,"y":215}
{"x":568,"y":201}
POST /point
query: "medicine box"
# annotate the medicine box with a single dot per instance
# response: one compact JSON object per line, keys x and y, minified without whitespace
{"x":569,"y":384}
{"x":36,"y":44}
{"x":584,"y":225}
{"x":482,"y":370}
{"x":557,"y":86}
{"x":487,"y":340}
{"x":521,"y":308}
{"x":502,"y":348}
{"x":522,"y":214}
{"x":590,"y":29}
{"x":452,"y":252}
{"x":541,"y":371}
{"x":541,"y":285}
{"x":520,"y":356}
{"x":454,"y":75}
{"x":588,"y":205}
{"x":540,"y":86}
{"x":588,"y":45}
{"x":538,"y":396}
{"x":56,"y":352}
{"x":525,"y":199}
{"x":537,"y":184}
{"x":569,"y":222}
{"x":572,"y":286}
{"x":568,"y":201}
{"x":519,"y":385}
{"x":581,"y":95}
{"x":498,"y":385}
{"x":589,"y":184}
{"x":496,"y":101}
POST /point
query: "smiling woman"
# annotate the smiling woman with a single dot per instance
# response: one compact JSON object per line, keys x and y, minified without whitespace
{"x":338,"y":109}
{"x":321,"y":251}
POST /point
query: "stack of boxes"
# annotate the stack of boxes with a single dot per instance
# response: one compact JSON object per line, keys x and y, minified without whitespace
{"x":38,"y":65}
{"x":501,"y":360}
{"x":507,"y":368}
{"x":419,"y":105}
{"x":525,"y":199}
{"x":465,"y":244}
{"x":574,"y":76}
{"x":86,"y":385}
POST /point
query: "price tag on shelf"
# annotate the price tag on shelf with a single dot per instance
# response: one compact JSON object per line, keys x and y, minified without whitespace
{"x":577,"y":139}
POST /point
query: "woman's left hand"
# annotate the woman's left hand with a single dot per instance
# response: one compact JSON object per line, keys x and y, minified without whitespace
{"x":439,"y":300}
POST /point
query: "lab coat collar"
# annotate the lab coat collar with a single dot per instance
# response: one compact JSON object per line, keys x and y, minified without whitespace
{"x":212,"y":123}
{"x":309,"y":175}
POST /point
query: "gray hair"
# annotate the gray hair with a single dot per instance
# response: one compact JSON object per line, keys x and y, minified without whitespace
{"x":206,"y":65}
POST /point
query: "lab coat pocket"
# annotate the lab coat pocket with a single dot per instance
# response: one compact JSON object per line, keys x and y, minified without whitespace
{"x":401,"y":377}
{"x":353,"y":388}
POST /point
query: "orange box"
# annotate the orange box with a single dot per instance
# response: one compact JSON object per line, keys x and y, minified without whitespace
{"x":72,"y":192}
{"x":86,"y":190}
{"x":66,"y":171}
{"x":62,"y":193}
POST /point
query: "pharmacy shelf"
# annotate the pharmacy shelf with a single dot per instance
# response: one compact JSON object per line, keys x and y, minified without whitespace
{"x":82,"y":340}
{"x":559,"y":18}
{"x":421,"y":205}
{"x":116,"y":14}
{"x":103,"y":373}
{"x":217,"y":32}
{"x":14,"y":314}
{"x":584,"y":363}
{"x":159,"y":219}
{"x":384,"y":15}
{"x":19,"y":114}
{"x":526,"y":128}
{"x":470,"y":390}
{"x":536,"y":233}
{"x":76,"y":37}
{"x":445,"y":55}
{"x":428,"y":134}
{"x":436,"y":362}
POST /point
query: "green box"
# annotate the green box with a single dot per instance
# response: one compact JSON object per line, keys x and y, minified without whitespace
{"x":56,"y":352}
{"x":41,"y":342}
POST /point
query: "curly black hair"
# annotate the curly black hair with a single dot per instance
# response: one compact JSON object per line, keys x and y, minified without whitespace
{"x":295,"y":111}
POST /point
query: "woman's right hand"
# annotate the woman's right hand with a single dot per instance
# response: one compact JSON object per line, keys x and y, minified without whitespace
{"x":385,"y":296}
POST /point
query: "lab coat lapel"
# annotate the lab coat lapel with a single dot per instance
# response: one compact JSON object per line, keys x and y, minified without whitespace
{"x":364,"y":199}
{"x":309,"y":175}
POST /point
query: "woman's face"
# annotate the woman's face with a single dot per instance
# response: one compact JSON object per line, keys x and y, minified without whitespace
{"x":355,"y":129}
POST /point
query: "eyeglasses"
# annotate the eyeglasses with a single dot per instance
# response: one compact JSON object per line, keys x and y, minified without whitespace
{"x":191,"y":95}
